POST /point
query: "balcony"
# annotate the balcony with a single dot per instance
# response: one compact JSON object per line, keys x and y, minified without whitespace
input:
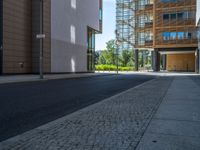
{"x":149,"y":24}
{"x":177,"y":42}
{"x":149,"y":7}
{"x":149,"y":43}
{"x":177,"y":22}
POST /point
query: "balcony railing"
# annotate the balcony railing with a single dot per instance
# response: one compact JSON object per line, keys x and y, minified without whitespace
{"x":149,"y":24}
{"x":176,"y":42}
{"x":149,"y":43}
{"x":149,"y":7}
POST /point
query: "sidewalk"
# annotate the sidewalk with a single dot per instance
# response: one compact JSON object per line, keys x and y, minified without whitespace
{"x":176,"y":125}
{"x":162,"y":114}
{"x":31,"y":78}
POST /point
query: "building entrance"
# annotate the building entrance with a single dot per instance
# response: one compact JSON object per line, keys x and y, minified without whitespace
{"x":180,"y":61}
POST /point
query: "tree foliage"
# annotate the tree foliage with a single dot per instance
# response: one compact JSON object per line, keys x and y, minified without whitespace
{"x":126,"y":57}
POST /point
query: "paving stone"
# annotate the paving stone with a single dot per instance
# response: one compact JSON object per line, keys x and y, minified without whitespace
{"x":115,"y":123}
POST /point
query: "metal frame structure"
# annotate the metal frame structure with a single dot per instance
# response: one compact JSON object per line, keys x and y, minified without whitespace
{"x":125,"y":24}
{"x":134,"y":24}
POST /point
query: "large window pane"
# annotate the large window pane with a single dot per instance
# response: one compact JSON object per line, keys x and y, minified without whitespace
{"x":166,"y":16}
{"x":180,"y":15}
{"x":168,"y":1}
{"x":173,"y":36}
{"x":173,"y":16}
{"x":166,"y":35}
{"x":180,"y":35}
{"x":91,"y":49}
{"x":188,"y":35}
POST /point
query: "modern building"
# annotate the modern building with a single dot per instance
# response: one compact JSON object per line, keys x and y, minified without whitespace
{"x":164,"y":27}
{"x":198,"y":35}
{"x":69,"y":27}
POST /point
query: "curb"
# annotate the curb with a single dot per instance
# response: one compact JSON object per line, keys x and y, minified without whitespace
{"x":49,"y":79}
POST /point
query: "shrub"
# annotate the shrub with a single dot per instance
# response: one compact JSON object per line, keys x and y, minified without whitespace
{"x":112,"y":68}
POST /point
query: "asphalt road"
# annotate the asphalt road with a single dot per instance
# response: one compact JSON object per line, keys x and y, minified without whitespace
{"x":24,"y":106}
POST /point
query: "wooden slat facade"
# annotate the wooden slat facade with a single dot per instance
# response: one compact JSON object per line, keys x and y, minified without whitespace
{"x":174,"y":25}
{"x":20,"y":26}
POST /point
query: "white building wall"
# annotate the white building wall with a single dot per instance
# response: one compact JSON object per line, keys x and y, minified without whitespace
{"x":198,"y":24}
{"x":198,"y":11}
{"x":69,"y":22}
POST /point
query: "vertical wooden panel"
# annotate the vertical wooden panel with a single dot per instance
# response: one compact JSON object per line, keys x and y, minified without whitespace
{"x":17,"y":36}
{"x":20,"y":26}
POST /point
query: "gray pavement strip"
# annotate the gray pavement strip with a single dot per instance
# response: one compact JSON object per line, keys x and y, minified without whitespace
{"x":114,"y":123}
{"x":175,"y":126}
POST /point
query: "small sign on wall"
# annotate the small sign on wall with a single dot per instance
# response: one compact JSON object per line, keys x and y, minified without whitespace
{"x":40,"y":36}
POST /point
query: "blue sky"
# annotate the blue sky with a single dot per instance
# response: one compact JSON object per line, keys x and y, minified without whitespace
{"x":108,"y":24}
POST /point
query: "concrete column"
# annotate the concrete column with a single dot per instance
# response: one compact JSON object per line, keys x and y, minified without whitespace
{"x":142,"y":65}
{"x":152,"y":60}
{"x":156,"y":60}
{"x":136,"y":60}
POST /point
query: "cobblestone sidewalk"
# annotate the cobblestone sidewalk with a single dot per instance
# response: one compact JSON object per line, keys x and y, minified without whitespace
{"x":116,"y":123}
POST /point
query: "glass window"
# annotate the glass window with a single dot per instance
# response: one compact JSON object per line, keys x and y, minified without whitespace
{"x":198,"y":34}
{"x":91,"y":49}
{"x":166,"y":16}
{"x":191,"y":14}
{"x":168,"y":1}
{"x":180,"y":35}
{"x":148,"y":36}
{"x":141,"y":20}
{"x":141,"y":4}
{"x":188,"y":35}
{"x":173,"y":16}
{"x":141,"y":38}
{"x":166,"y":35}
{"x":180,"y":15}
{"x":185,"y":15}
{"x":173,"y":36}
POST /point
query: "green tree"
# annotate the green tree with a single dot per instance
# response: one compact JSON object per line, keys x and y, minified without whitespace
{"x":110,"y":47}
{"x":96,"y":57}
{"x":102,"y":58}
{"x":126,"y":56}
